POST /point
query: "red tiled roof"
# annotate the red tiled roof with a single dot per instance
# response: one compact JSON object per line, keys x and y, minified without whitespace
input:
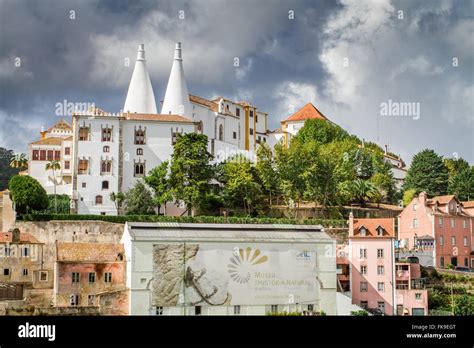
{"x":89,"y":252}
{"x":442,"y":199}
{"x":371,"y":226}
{"x":157,"y":117}
{"x":25,"y":238}
{"x":468,"y":204}
{"x":205,"y":102}
{"x":309,"y":111}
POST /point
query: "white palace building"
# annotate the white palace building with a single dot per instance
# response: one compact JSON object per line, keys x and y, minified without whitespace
{"x":106,"y":152}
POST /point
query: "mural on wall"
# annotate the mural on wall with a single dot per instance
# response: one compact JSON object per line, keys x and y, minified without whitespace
{"x":222,"y":274}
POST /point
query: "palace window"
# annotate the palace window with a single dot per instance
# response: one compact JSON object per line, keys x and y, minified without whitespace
{"x":83,"y":133}
{"x":67,"y":150}
{"x":42,"y":155}
{"x":139,"y":170}
{"x":234,"y":135}
{"x":83,"y":167}
{"x":221,"y":132}
{"x":159,"y":310}
{"x":139,"y":136}
{"x":106,"y":134}
{"x":105,"y":185}
{"x":106,"y":167}
{"x":98,"y":200}
{"x":259,"y":139}
{"x":256,"y":118}
{"x":274,"y":308}
{"x":139,"y":151}
{"x":251,"y":131}
{"x":35,"y":155}
{"x":237,"y":112}
{"x":67,"y":165}
{"x":237,"y":310}
{"x":57,"y":155}
{"x":251,"y":113}
{"x":50,"y":155}
{"x":106,"y":148}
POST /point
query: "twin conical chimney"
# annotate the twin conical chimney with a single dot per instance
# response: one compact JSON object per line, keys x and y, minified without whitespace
{"x":176,"y":100}
{"x":140,"y":96}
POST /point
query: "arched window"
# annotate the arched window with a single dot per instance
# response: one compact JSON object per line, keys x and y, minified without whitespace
{"x":221,"y":133}
{"x":139,"y":151}
{"x":98,"y":200}
{"x":105,"y":185}
{"x":106,"y":149}
{"x":106,"y":167}
{"x":139,"y":169}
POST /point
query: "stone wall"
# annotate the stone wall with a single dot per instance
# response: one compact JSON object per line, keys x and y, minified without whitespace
{"x":50,"y":232}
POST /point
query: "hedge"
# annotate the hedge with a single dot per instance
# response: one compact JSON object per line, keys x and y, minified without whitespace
{"x":183,"y":219}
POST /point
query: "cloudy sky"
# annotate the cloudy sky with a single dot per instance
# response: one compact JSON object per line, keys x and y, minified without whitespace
{"x":346,"y":57}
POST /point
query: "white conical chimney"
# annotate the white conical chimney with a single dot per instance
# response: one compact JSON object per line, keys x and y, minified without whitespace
{"x":140,"y":96}
{"x":176,"y":100}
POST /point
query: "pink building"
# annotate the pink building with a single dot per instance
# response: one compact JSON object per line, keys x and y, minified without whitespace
{"x":371,"y":255}
{"x":442,"y":224}
{"x":411,"y":295}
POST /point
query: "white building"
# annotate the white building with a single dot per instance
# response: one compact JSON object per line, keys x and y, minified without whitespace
{"x":112,"y":151}
{"x":231,"y":269}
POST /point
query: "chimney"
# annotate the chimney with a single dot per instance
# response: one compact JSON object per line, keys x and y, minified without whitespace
{"x":15,"y":235}
{"x":422,"y":198}
{"x":351,"y":224}
{"x":386,"y":148}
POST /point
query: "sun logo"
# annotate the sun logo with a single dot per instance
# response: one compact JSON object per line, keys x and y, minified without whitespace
{"x":241,"y":264}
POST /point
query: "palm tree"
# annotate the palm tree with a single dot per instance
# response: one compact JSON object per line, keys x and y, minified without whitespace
{"x":19,"y":161}
{"x":360,"y":191}
{"x":54,"y":165}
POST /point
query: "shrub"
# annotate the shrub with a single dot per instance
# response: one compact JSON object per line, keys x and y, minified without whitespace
{"x":27,"y":193}
{"x":360,"y":313}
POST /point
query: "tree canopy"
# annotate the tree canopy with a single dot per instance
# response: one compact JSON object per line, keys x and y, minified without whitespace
{"x":28,"y":194}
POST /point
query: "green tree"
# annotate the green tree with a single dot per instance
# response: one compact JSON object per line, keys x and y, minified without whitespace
{"x":191,"y":171}
{"x":266,"y":170}
{"x":118,"y":199}
{"x":6,"y":171}
{"x":139,"y":200}
{"x":461,"y":184}
{"x":359,"y":191}
{"x":240,"y":185}
{"x":27,"y":194}
{"x":321,"y":132}
{"x":53,"y":166}
{"x":464,"y":305}
{"x":427,"y":173}
{"x":157,"y":180}
{"x":19,"y":161}
{"x":455,"y":165}
{"x":408,"y":196}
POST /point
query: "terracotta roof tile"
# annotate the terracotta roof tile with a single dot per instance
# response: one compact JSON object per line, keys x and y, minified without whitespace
{"x":49,"y":141}
{"x":468,"y":204}
{"x":309,"y":111}
{"x":157,"y":117}
{"x":205,"y":102}
{"x":371,"y":226}
{"x":25,"y":238}
{"x":89,"y":252}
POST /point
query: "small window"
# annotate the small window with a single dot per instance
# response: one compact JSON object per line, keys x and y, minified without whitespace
{"x":106,"y":148}
{"x":251,"y":131}
{"x":259,"y":139}
{"x":105,"y":185}
{"x":197,"y":310}
{"x":6,"y":271}
{"x":75,"y":276}
{"x":381,"y":306}
{"x":84,"y":185}
{"x":440,"y":222}
{"x":139,"y":136}
{"x":363,"y":287}
{"x":234,"y":135}
{"x":441,"y":240}
{"x":274,"y":308}
{"x":106,"y":167}
{"x":415,"y":223}
{"x":83,"y":167}
{"x":108,"y":277}
{"x":67,"y":150}
{"x":25,"y":252}
{"x":98,"y":200}
{"x":221,"y":132}
{"x":464,"y":240}
{"x":43,"y":276}
{"x":381,"y":286}
{"x":159,"y":310}
{"x":25,"y":271}
{"x":236,"y":310}
{"x":237,"y":112}
{"x":106,"y":134}
{"x":310,"y":308}
{"x":83,"y":134}
{"x":35,"y":155}
{"x":256,"y":118}
{"x":380,"y":253}
{"x":464,"y":223}
{"x":380,"y":270}
{"x":57,"y":155}
{"x":50,"y":155}
{"x":251,"y":113}
{"x":363,"y":231}
{"x":139,"y":169}
{"x":7,"y":250}
{"x":417,"y":296}
{"x":91,"y":277}
{"x":364,"y":304}
{"x":415,"y":207}
{"x":453,"y":240}
{"x":453,"y":223}
{"x":139,"y":151}
{"x":380,"y":231}
{"x":42,"y":155}
{"x":67,"y":165}
{"x":363,"y":253}
{"x":74,"y":300}
{"x":363,"y":270}
{"x":466,"y":262}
